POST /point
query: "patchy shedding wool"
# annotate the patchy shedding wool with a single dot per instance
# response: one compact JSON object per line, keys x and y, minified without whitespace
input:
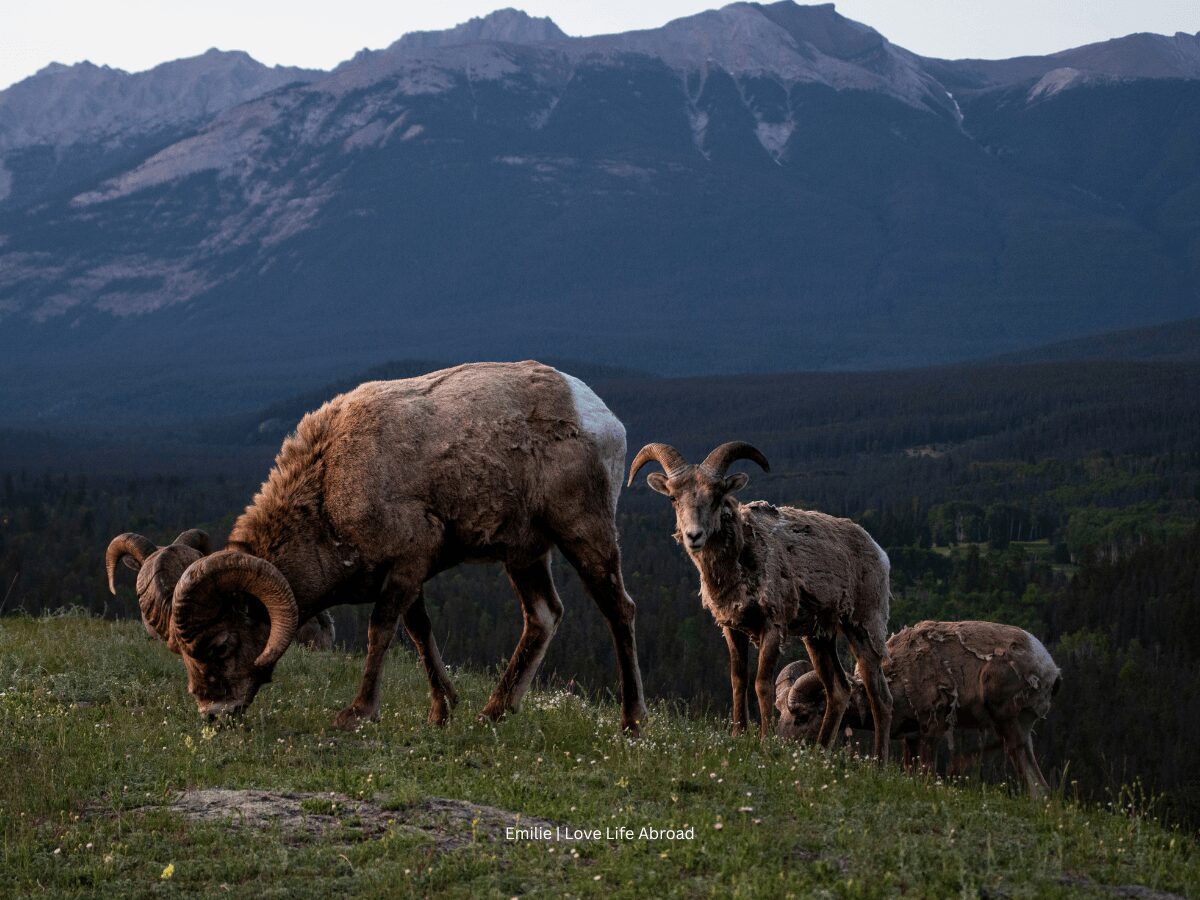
{"x":795,"y":570}
{"x":771,"y":573}
{"x":943,"y":676}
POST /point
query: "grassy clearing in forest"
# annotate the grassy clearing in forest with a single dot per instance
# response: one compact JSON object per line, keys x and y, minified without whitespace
{"x":98,"y":739}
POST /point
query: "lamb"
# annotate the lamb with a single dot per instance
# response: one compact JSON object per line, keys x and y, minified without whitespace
{"x":379,"y":490}
{"x":977,"y":675}
{"x":159,"y":569}
{"x":768,"y":573}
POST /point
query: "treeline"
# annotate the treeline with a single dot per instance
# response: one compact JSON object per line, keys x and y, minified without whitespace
{"x":54,"y":527}
{"x":1127,"y":635}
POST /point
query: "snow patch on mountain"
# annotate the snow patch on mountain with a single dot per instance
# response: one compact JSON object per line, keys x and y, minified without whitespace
{"x":958,"y":113}
{"x":698,"y":121}
{"x":1054,"y":81}
{"x":774,"y":136}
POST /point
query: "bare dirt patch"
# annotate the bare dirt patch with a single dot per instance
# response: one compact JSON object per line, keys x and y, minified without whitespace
{"x":448,"y":823}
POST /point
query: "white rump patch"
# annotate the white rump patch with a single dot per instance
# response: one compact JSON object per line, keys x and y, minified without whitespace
{"x":883,"y":557}
{"x":605,"y":429}
{"x":1044,"y":660}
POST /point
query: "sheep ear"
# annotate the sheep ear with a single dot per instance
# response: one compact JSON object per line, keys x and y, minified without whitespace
{"x":131,"y":563}
{"x":658,"y":481}
{"x":735,"y":482}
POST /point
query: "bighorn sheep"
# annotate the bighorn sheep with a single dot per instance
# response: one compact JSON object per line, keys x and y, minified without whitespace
{"x":379,"y":490}
{"x":945,"y":675}
{"x":767,"y":573}
{"x":159,"y":569}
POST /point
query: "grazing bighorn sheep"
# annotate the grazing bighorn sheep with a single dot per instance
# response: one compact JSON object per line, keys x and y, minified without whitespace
{"x":767,"y":573}
{"x":382,"y":488}
{"x":159,"y":569}
{"x":946,"y":675}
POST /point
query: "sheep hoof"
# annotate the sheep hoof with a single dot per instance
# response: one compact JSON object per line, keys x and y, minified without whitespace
{"x":492,"y":712}
{"x":350,"y":718}
{"x":631,"y":723}
{"x":439,"y":713}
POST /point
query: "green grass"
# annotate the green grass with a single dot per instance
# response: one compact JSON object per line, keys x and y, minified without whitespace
{"x":97,"y":736}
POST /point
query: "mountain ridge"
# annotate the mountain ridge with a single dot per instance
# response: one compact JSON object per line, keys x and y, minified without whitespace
{"x":753,"y":188}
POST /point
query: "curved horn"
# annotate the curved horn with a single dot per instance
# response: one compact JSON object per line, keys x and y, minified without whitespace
{"x":156,"y":586}
{"x":806,"y":689}
{"x":663,"y":454}
{"x":790,"y":673}
{"x":195,"y":538}
{"x":196,"y":603}
{"x":724,"y":456}
{"x":128,"y":544}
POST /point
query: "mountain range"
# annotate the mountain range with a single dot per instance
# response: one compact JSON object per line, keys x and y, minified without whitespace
{"x":761,"y":187}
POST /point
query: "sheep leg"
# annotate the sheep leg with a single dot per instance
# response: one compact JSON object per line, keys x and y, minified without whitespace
{"x":927,"y":748}
{"x":1038,"y":784}
{"x":596,"y":558}
{"x":911,"y":754}
{"x":764,"y":682}
{"x":1029,"y":769}
{"x":738,"y":644}
{"x":442,"y":695}
{"x":385,"y":619}
{"x":822,"y":650}
{"x":543,"y":611}
{"x":1020,"y":753}
{"x":879,"y":695}
{"x":963,"y":763}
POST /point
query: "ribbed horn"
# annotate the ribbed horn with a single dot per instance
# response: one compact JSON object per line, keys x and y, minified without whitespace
{"x":197,"y":604}
{"x":663,"y":454}
{"x":156,"y":587}
{"x":128,"y":544}
{"x":790,"y":673}
{"x":197,"y":539}
{"x":805,"y":691}
{"x":727,"y":454}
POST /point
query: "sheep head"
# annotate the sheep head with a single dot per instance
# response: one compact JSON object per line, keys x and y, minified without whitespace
{"x":158,"y":570}
{"x":800,"y":699}
{"x":233,"y":615}
{"x":699,"y":493}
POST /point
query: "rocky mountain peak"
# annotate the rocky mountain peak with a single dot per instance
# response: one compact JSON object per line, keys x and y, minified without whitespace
{"x":510,"y":26}
{"x":822,"y":27}
{"x":61,"y":105}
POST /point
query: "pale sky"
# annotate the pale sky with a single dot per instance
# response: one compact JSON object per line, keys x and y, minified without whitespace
{"x":138,"y":34}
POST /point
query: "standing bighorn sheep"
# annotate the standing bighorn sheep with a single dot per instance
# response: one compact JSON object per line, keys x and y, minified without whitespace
{"x":945,"y":675}
{"x":767,"y":573}
{"x":379,"y":490}
{"x":159,"y":569}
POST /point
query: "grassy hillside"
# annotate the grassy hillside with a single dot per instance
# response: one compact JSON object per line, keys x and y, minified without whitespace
{"x":989,"y":486}
{"x":105,"y":789}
